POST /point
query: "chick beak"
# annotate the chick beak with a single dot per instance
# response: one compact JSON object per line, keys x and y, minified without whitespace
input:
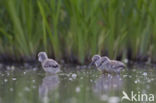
{"x":39,"y":59}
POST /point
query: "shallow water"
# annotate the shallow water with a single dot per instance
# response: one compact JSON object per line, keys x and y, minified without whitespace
{"x":22,"y":85}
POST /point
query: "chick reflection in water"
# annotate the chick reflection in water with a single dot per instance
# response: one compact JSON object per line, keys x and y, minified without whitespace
{"x":48,"y":87}
{"x":106,"y":85}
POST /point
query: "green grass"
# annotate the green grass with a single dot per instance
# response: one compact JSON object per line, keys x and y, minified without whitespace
{"x":79,"y":28}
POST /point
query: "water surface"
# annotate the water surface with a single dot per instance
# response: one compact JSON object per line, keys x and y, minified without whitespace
{"x":73,"y":85}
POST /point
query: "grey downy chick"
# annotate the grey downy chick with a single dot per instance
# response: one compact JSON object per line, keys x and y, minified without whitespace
{"x":49,"y":65}
{"x":105,"y":65}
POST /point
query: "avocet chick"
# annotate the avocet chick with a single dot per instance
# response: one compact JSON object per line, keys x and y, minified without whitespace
{"x":49,"y":65}
{"x":105,"y":65}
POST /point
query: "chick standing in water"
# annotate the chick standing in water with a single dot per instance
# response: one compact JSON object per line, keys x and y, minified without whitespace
{"x":49,"y":65}
{"x":105,"y":65}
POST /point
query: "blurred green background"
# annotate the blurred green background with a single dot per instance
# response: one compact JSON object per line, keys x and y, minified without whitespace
{"x":78,"y":29}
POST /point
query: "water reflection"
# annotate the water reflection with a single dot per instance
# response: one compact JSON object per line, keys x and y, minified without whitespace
{"x":49,"y":84}
{"x":108,"y":85}
{"x":73,"y":86}
{"x":0,"y":100}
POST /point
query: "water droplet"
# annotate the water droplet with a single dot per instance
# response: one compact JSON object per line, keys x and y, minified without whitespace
{"x":77,"y":89}
{"x":125,"y":76}
{"x":125,"y":60}
{"x":33,"y":81}
{"x":74,"y":76}
{"x":24,"y":73}
{"x":135,"y":81}
{"x":5,"y":80}
{"x":144,"y":74}
{"x":13,"y":78}
{"x":11,"y":89}
{"x":70,"y":79}
{"x":12,"y":67}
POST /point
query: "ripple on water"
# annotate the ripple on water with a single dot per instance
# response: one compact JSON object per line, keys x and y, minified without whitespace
{"x":77,"y":89}
{"x":5,"y":80}
{"x":125,"y":60}
{"x":10,"y":68}
{"x":124,"y":76}
{"x":70,"y":79}
{"x":33,"y":81}
{"x":104,"y":97}
{"x":24,"y":72}
{"x":114,"y":100}
{"x":27,"y":89}
{"x":11,"y":89}
{"x":2,"y":75}
{"x":130,"y":76}
{"x":137,"y":81}
{"x":14,"y":79}
{"x":74,"y":76}
{"x":144,"y":74}
{"x":76,"y":82}
{"x":91,"y":80}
